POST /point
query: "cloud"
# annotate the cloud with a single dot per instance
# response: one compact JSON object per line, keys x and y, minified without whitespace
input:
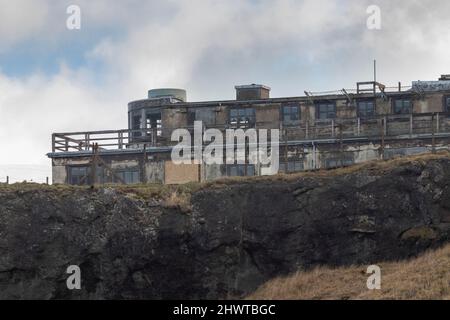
{"x":205,"y":47}
{"x":20,"y":20}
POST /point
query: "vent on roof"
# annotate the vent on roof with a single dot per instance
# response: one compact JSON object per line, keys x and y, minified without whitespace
{"x":252,"y":92}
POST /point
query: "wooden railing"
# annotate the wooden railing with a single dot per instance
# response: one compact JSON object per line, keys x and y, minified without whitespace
{"x":379,"y":126}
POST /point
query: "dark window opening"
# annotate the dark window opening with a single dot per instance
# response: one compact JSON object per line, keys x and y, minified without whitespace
{"x":402,"y":106}
{"x":291,"y":114}
{"x":242,"y":118}
{"x":366,"y":109}
{"x":326,"y":111}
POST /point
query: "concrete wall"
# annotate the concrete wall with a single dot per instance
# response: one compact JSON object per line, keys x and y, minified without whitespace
{"x":59,"y":174}
{"x":154,"y":172}
{"x":268,"y":116}
{"x":172,"y":119}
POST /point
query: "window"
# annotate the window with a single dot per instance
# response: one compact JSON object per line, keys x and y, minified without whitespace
{"x":79,"y":175}
{"x":129,"y":176}
{"x":136,"y":125}
{"x":291,"y":166}
{"x":238,"y":170}
{"x":337,"y":162}
{"x":326,"y":110}
{"x":242,"y":118}
{"x":366,"y":109}
{"x":153,"y":123}
{"x":447,"y":104}
{"x":402,"y":106}
{"x":290,"y":114}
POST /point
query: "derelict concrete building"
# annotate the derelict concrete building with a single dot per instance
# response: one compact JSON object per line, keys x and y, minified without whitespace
{"x":318,"y":130}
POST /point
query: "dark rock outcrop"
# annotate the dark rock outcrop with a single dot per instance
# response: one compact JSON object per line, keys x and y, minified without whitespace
{"x":236,"y":236}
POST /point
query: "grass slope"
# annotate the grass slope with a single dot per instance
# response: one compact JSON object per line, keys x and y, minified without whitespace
{"x":424,"y":278}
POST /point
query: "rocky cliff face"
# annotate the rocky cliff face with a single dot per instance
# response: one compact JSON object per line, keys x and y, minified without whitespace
{"x":236,"y":236}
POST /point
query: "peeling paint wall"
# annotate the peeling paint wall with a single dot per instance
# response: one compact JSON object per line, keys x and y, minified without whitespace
{"x":59,"y":174}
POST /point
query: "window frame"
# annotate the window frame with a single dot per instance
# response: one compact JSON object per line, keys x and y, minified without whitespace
{"x":121,"y":173}
{"x":328,"y":104}
{"x":365,"y":114}
{"x":403,"y":99}
{"x":292,"y":166}
{"x":248,"y":117}
{"x":240,"y":168}
{"x":290,"y":107}
{"x":446,"y":104}
{"x":100,"y":175}
{"x":153,"y":120}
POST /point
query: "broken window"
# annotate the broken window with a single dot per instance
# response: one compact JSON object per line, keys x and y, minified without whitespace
{"x":366,"y":109}
{"x":402,"y":106}
{"x":326,"y":110}
{"x":153,"y":124}
{"x":242,"y":118}
{"x":291,"y":114}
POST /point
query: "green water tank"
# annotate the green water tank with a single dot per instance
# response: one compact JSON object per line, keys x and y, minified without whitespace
{"x":179,"y":94}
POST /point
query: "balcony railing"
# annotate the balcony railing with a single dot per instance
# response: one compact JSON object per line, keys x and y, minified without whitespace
{"x":409,"y":125}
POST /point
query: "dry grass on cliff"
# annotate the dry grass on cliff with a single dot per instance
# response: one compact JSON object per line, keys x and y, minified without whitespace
{"x":424,"y":278}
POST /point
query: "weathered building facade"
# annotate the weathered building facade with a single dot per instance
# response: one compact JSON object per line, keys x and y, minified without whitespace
{"x":317,"y":131}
